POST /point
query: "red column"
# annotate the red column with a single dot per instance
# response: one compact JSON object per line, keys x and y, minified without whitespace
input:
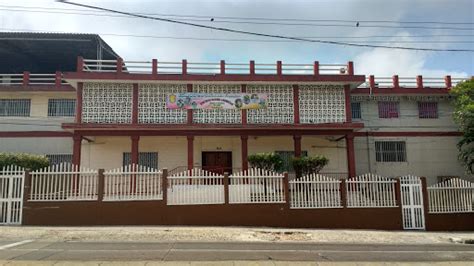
{"x":190,"y":152}
{"x":296,"y":104}
{"x":190,"y":111}
{"x":419,"y":82}
{"x":350,"y":154}
{"x":447,"y":81}
{"x":26,"y":78}
{"x":347,"y":95}
{"x":279,"y":68}
{"x":76,"y":150}
{"x":154,"y":67}
{"x":222,"y":66}
{"x":184,"y":67}
{"x":134,"y":149}
{"x":297,"y":144}
{"x":79,"y":103}
{"x":316,"y":68}
{"x":135,"y":104}
{"x":252,"y":67}
{"x":372,"y":82}
{"x":396,"y":82}
{"x":350,"y":68}
{"x":58,"y":79}
{"x":80,"y":64}
{"x":244,"y":112}
{"x":244,"y":148}
{"x":119,"y":65}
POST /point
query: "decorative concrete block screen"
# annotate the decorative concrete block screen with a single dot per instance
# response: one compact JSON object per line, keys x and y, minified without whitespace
{"x":133,"y":182}
{"x":152,"y":104}
{"x":370,"y":191}
{"x":322,"y":104}
{"x":256,"y":186}
{"x":195,"y":186}
{"x":280,"y":105}
{"x":223,"y":116}
{"x":107,"y":103}
{"x":64,"y":182}
{"x":451,"y":196}
{"x":11,"y":194}
{"x":315,"y":191}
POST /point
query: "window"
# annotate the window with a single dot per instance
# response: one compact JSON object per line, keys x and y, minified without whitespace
{"x":59,"y":158}
{"x":286,"y":157}
{"x":390,"y":151}
{"x":61,"y":107}
{"x":148,"y":159}
{"x":15,"y":107}
{"x":356,"y":113}
{"x":388,"y":109}
{"x":427,"y":109}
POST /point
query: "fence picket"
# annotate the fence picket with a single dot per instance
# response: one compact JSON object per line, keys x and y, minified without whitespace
{"x":370,"y":191}
{"x":451,"y":196}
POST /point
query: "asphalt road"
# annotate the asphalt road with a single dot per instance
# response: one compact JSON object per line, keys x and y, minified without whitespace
{"x":28,"y":250}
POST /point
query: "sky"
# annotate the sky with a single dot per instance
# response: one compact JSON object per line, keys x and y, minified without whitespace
{"x":367,"y":61}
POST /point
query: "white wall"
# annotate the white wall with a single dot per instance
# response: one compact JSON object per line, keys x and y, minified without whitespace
{"x":41,"y":146}
{"x":426,"y":156}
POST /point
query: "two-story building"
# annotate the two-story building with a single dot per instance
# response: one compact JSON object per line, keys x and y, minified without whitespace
{"x":108,"y":112}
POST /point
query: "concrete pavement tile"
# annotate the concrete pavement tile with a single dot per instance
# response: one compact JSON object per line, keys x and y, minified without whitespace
{"x":123,"y":263}
{"x":212,"y":263}
{"x":77,"y":263}
{"x":295,"y":263}
{"x":168,"y":263}
{"x":254,"y":263}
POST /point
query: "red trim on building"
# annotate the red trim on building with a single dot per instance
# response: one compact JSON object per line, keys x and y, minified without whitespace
{"x":35,"y":134}
{"x":350,"y":68}
{"x":190,"y":152}
{"x":396,"y":82}
{"x":353,"y":79}
{"x":80,"y":64}
{"x":244,"y":151}
{"x":76,"y":150}
{"x":135,"y":104}
{"x":410,"y":134}
{"x":347,"y":97}
{"x":297,"y":145}
{"x":350,"y":155}
{"x":79,"y":102}
{"x":296,"y":104}
{"x":26,"y":78}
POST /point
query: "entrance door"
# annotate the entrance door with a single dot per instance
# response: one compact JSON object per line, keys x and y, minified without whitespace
{"x":217,"y":162}
{"x":11,"y":195}
{"x":412,"y":203}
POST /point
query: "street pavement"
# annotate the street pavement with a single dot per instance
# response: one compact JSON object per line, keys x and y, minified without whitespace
{"x":21,"y":251}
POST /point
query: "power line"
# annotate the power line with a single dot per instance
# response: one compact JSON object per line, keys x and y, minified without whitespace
{"x":257,"y":18}
{"x":264,"y":34}
{"x":309,"y":37}
{"x":214,"y":20}
{"x":212,"y":39}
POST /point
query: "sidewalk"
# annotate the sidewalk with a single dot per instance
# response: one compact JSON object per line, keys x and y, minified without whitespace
{"x":234,"y":234}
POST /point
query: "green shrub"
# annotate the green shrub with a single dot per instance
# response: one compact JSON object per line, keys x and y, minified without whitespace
{"x":267,"y":160}
{"x":308,"y":165}
{"x":25,"y":160}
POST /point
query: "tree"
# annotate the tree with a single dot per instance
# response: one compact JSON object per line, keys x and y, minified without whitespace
{"x":463,"y":100}
{"x":266,"y":160}
{"x":25,"y":160}
{"x":309,"y":165}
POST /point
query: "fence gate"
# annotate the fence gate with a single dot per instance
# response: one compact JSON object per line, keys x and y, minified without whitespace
{"x":11,"y":195}
{"x":412,"y":203}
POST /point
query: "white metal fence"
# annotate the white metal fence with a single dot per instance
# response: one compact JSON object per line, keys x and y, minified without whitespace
{"x":133,"y":182}
{"x":11,"y":194}
{"x":64,"y":182}
{"x":451,"y":196}
{"x":195,"y":186}
{"x":256,"y":186}
{"x":370,"y":191}
{"x":315,"y":191}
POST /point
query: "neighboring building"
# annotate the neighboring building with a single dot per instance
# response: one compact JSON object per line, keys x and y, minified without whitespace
{"x":111,"y":113}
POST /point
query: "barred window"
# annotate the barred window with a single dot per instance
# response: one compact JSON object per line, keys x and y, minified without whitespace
{"x":15,"y":107}
{"x":389,"y":109}
{"x":61,"y":107}
{"x":390,"y":151}
{"x":59,"y":158}
{"x":286,"y":156}
{"x":427,"y":109}
{"x":147,"y":159}
{"x":356,"y":112}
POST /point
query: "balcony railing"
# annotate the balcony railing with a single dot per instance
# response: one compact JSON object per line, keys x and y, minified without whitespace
{"x":410,"y":82}
{"x":209,"y":68}
{"x":27,"y":78}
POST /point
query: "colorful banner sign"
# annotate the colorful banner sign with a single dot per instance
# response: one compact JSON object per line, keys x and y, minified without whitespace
{"x":190,"y":100}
